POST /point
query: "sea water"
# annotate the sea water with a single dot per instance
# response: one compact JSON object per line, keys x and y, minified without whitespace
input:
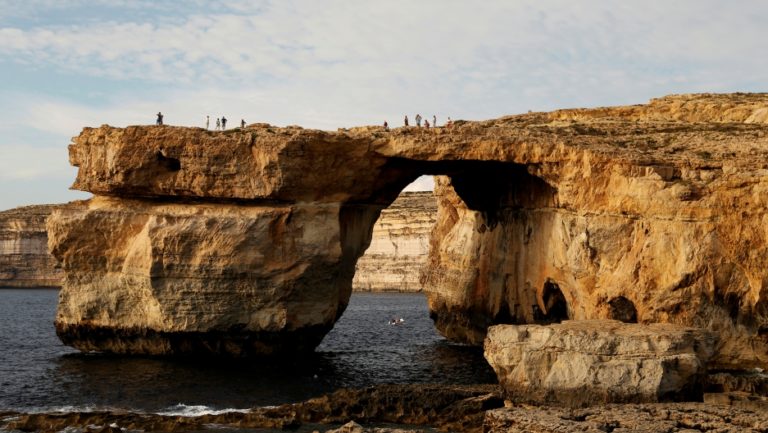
{"x":38,"y":373}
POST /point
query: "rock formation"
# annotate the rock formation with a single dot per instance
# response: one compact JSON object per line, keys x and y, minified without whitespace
{"x":24,"y":257}
{"x":587,"y":362}
{"x":245,"y":241}
{"x":399,"y":246}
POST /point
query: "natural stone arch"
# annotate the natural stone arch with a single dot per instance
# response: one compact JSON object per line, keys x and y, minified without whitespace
{"x":249,"y":237}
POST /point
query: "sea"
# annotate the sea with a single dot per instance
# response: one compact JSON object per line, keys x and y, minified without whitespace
{"x":39,"y":374}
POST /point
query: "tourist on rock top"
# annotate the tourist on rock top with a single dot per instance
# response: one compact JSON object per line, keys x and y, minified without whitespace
{"x":218,"y":124}
{"x":223,"y":123}
{"x":405,"y":121}
{"x":434,"y":121}
{"x":207,"y":122}
{"x":242,"y":123}
{"x":386,"y":126}
{"x":159,"y":118}
{"x":418,"y":120}
{"x":426,"y":123}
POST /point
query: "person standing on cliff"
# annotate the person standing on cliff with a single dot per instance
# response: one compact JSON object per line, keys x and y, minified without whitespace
{"x":159,"y":118}
{"x":223,"y":123}
{"x":386,"y":126}
{"x":426,"y":123}
{"x":242,"y":123}
{"x":405,"y":121}
{"x":418,"y":120}
{"x":434,"y":121}
{"x":207,"y":122}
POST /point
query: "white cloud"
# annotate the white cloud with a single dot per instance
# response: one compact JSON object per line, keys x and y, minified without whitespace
{"x":338,"y":63}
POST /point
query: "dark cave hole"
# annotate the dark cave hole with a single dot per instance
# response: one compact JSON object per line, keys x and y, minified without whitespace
{"x":170,"y":164}
{"x":555,"y":306}
{"x":622,"y":309}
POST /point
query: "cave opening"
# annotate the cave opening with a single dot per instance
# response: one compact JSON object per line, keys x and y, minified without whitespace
{"x":622,"y":309}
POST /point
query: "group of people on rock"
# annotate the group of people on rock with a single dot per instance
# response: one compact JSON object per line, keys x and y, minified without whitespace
{"x":418,"y":120}
{"x":221,"y":123}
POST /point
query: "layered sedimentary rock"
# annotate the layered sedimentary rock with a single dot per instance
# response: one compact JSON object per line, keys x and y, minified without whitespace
{"x":24,"y":257}
{"x":587,"y":362}
{"x":399,"y":246}
{"x":242,"y":240}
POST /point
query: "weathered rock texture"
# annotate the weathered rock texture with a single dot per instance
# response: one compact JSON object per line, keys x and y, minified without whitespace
{"x":246,"y":241}
{"x":626,"y":418}
{"x":587,"y":362}
{"x":24,"y":257}
{"x":399,"y":246}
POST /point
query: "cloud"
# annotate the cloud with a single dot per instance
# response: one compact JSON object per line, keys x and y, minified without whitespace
{"x":338,"y":63}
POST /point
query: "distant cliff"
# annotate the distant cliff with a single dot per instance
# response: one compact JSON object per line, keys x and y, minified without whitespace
{"x":24,"y":258}
{"x":399,"y":246}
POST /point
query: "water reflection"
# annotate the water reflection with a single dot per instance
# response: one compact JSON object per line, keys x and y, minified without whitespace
{"x":362,"y":350}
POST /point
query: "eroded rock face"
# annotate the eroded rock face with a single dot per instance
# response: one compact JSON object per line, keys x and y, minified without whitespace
{"x":588,"y":362}
{"x":399,"y":246}
{"x":649,"y":213}
{"x":24,"y":257}
{"x":635,"y":418}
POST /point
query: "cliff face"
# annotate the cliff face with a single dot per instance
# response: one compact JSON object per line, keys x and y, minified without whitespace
{"x":24,"y":257}
{"x":246,"y":241}
{"x":399,"y":246}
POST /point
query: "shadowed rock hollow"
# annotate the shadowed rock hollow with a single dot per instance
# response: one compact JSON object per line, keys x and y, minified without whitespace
{"x":245,"y":242}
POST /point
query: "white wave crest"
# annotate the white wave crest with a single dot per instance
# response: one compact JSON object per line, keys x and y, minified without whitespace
{"x":196,"y":410}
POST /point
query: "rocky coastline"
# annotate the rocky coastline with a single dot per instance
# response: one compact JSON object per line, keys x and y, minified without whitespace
{"x":611,"y":261}
{"x":471,"y":409}
{"x":24,"y":258}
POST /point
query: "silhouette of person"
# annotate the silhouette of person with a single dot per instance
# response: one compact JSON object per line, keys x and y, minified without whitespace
{"x":218,"y":124}
{"x":159,"y":118}
{"x":223,"y":123}
{"x":418,"y":120}
{"x":207,"y":121}
{"x":405,"y":121}
{"x":242,"y":123}
{"x":426,"y":123}
{"x":434,"y":121}
{"x":386,"y":126}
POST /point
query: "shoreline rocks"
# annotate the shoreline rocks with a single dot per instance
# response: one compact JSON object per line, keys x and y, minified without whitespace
{"x":470,"y":409}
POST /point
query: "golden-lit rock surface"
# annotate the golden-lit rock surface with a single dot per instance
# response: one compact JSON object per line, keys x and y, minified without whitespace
{"x":653,"y":213}
{"x":588,"y":362}
{"x":399,"y":246}
{"x":24,"y":257}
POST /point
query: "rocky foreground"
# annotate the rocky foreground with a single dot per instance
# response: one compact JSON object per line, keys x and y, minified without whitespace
{"x":245,"y":242}
{"x":24,"y":257}
{"x":420,"y":408}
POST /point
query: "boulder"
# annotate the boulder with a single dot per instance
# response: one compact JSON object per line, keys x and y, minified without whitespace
{"x":582,"y":363}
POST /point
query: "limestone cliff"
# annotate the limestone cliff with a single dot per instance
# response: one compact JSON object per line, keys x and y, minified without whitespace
{"x":246,"y":241}
{"x":24,"y":257}
{"x":399,"y":246}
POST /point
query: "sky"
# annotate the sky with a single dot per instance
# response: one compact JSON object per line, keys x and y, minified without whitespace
{"x":67,"y":64}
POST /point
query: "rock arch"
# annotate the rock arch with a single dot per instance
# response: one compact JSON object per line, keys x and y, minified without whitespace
{"x":245,"y":242}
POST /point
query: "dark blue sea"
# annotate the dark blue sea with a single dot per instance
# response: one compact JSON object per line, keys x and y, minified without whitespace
{"x":38,"y":373}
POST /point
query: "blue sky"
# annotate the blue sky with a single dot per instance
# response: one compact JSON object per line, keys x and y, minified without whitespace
{"x":329,"y":64}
